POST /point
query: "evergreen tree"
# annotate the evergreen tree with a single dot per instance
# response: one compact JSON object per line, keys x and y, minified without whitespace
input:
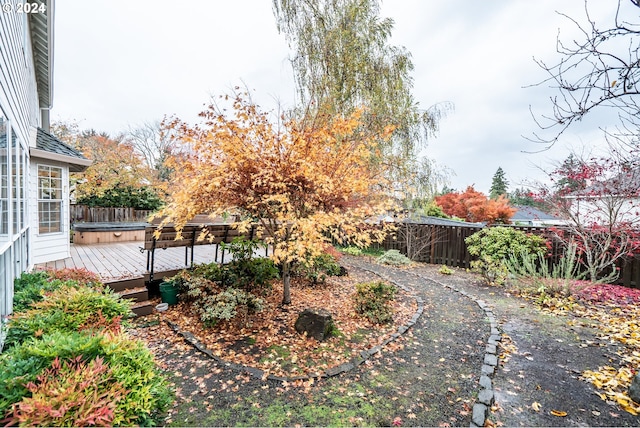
{"x":499,"y":184}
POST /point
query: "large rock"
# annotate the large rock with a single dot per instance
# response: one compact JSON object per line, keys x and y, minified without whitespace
{"x":634,"y":389}
{"x":316,"y":323}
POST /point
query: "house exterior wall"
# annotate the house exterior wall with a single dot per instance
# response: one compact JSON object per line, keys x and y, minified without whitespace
{"x":19,"y":113}
{"x":49,"y":246}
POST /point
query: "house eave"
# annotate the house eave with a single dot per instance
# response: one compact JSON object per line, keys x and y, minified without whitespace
{"x":75,"y":164}
{"x":41,"y":31}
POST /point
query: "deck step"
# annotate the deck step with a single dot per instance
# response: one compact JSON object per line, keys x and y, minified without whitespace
{"x":143,"y":308}
{"x":126,"y":284}
{"x":138,"y":294}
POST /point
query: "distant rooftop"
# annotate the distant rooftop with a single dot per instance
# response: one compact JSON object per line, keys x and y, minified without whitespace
{"x":526,"y":213}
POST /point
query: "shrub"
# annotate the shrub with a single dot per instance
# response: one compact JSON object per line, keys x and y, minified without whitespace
{"x":29,"y":288}
{"x":69,"y":308}
{"x":317,"y":269}
{"x":556,"y":281}
{"x":70,"y":393}
{"x":251,"y":274}
{"x":245,"y":271}
{"x":372,"y":300}
{"x":493,"y":245}
{"x":394,"y":258}
{"x":225,"y":305}
{"x":445,"y":270}
{"x":352,"y":251}
{"x":79,"y":276}
{"x":131,"y":366}
{"x":209,"y":271}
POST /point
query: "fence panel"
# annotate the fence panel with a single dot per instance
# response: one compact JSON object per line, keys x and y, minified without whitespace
{"x":83,"y":213}
{"x":447,"y":246}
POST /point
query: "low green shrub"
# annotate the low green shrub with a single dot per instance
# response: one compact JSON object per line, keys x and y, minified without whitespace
{"x":445,"y":270}
{"x":29,"y":288}
{"x":533,"y":273}
{"x":352,"y":251}
{"x":131,"y":366}
{"x":492,"y":246}
{"x":372,"y":300}
{"x":394,"y":258}
{"x":246,"y":271}
{"x":225,"y":305}
{"x":69,"y":308}
{"x":317,"y":269}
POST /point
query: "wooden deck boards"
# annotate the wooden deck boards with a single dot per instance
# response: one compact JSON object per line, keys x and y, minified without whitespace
{"x":117,"y":261}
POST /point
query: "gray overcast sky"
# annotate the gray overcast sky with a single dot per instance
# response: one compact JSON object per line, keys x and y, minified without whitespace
{"x":119,"y":63}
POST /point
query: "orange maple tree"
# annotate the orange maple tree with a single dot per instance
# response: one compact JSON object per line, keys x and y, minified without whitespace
{"x":474,"y":206}
{"x":115,"y":165}
{"x":301,"y":184}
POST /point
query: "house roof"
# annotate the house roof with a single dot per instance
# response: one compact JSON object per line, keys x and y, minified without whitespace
{"x":525,"y":213}
{"x":49,"y":147}
{"x":41,"y":29}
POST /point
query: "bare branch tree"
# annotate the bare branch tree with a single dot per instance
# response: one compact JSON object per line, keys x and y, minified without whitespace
{"x":598,"y":70}
{"x":418,"y":238}
{"x":150,"y":141}
{"x":603,"y":213}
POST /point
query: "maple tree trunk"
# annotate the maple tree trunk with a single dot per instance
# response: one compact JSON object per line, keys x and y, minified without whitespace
{"x":286,"y":281}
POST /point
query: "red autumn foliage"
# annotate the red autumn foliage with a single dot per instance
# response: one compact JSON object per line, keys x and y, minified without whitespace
{"x":70,"y":393}
{"x":474,"y":206}
{"x":607,"y":293}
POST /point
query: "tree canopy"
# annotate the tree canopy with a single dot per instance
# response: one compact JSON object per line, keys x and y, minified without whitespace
{"x":499,"y":184}
{"x":301,"y":186}
{"x":117,"y":173}
{"x":474,"y":206}
{"x":342,"y":62}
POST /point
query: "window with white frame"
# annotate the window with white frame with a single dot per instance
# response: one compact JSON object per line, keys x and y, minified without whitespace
{"x":4,"y":179}
{"x":49,"y":199}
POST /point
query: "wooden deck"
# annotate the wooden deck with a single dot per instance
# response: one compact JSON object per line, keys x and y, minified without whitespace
{"x":126,"y":260}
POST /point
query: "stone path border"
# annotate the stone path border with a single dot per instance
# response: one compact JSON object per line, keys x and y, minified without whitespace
{"x":490,"y":362}
{"x":331,"y":372}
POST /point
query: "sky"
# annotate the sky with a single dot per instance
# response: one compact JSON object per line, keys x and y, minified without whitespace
{"x":120,"y":63}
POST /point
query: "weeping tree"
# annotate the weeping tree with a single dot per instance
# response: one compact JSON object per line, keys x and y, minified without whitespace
{"x":342,"y":61}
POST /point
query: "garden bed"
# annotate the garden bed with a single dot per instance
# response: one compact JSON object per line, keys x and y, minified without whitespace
{"x":267,"y":340}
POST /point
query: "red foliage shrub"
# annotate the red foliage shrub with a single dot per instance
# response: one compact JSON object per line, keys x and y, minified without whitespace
{"x":608,"y":293}
{"x":81,"y":276}
{"x":70,"y":393}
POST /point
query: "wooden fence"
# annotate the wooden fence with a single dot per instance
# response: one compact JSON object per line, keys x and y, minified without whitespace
{"x":83,"y":213}
{"x":439,"y":244}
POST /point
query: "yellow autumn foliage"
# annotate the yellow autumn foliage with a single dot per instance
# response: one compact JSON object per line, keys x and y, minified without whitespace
{"x":301,"y":185}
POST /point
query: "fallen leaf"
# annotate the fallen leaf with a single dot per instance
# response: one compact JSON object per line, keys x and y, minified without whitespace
{"x":559,"y":413}
{"x":536,"y":406}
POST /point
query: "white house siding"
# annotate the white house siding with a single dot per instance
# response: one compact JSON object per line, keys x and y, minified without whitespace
{"x":49,"y":246}
{"x":20,"y":110}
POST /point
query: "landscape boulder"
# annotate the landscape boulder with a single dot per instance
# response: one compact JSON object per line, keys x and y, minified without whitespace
{"x":634,"y":389}
{"x":316,"y":323}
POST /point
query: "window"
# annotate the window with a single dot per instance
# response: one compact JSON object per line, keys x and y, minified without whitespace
{"x":16,"y":185}
{"x":4,"y":179}
{"x":49,"y":199}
